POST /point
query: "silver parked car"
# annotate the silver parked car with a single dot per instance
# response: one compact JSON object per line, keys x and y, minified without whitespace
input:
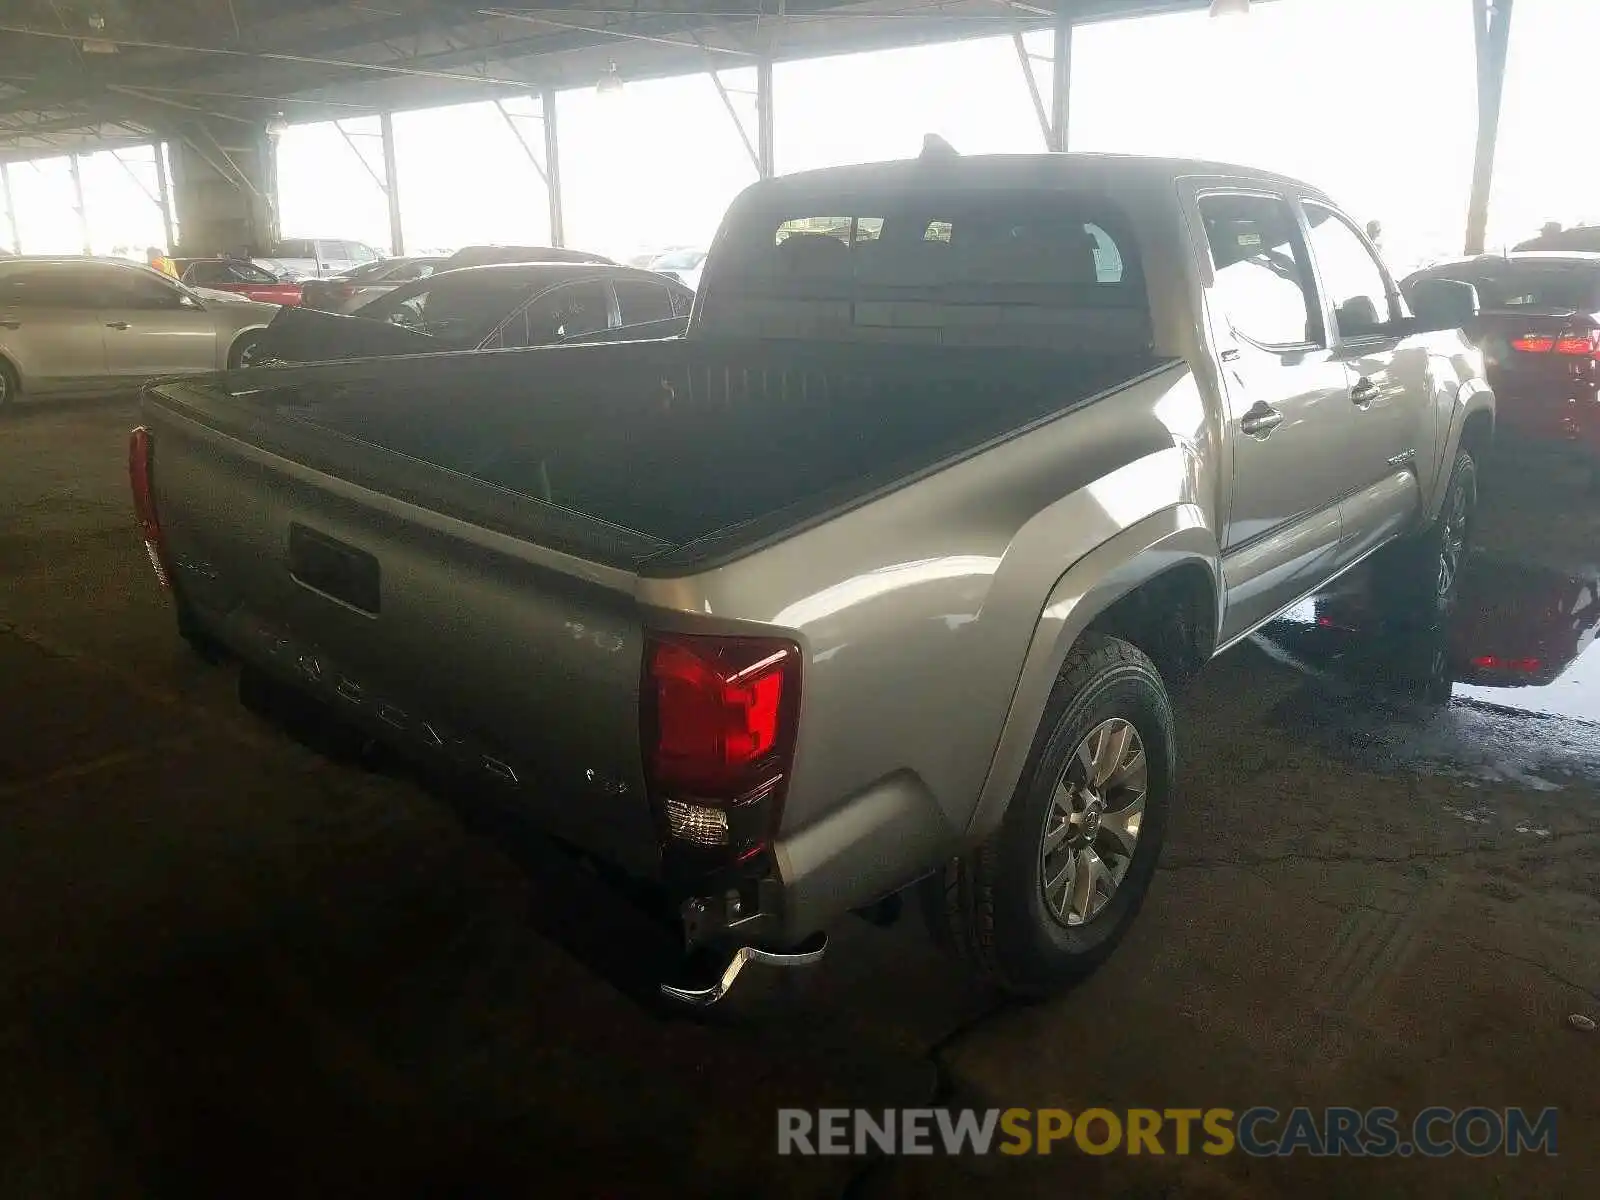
{"x":348,"y":292}
{"x":75,"y":325}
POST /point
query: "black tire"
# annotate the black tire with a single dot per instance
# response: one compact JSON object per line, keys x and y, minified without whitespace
{"x":991,"y":909}
{"x":10,"y":387}
{"x":1417,"y":583}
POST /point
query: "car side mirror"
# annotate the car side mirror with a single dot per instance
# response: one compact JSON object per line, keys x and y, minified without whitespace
{"x":187,"y":301}
{"x":1444,"y":303}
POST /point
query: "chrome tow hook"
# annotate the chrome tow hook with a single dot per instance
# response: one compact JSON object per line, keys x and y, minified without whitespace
{"x":806,"y":954}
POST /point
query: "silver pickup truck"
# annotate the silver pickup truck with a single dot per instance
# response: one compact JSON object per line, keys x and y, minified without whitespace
{"x":881,"y":575}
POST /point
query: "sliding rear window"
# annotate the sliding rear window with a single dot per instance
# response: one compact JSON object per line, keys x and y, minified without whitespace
{"x":1053,"y":270}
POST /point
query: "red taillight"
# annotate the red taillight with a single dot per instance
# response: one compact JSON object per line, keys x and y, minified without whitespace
{"x":1572,"y":345}
{"x":141,"y":476}
{"x":1493,"y":662}
{"x":718,"y":718}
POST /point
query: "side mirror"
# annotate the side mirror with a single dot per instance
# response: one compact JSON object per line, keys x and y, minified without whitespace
{"x":187,"y":301}
{"x":1444,"y":303}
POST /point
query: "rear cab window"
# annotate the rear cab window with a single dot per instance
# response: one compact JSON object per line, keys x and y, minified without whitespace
{"x":1046,"y":270}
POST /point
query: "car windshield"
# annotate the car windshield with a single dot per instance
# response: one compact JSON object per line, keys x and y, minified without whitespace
{"x":680,"y":260}
{"x":460,"y":310}
{"x":1551,"y":285}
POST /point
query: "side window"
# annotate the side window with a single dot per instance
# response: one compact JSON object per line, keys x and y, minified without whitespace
{"x":641,"y":301}
{"x":1351,"y":275}
{"x":682,"y":301}
{"x":566,"y":312}
{"x":1107,"y":258}
{"x":1260,"y":269}
{"x":63,"y":287}
{"x":204,"y":274}
{"x":296,"y":248}
{"x":138,"y":289}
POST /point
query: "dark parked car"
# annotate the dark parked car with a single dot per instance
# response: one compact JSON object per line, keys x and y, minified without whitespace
{"x":489,"y":308}
{"x":348,"y":292}
{"x":1539,"y":330}
{"x":485,"y":256}
{"x":1584,"y":239}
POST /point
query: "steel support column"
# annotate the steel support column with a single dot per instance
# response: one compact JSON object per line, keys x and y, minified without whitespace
{"x":164,"y":195}
{"x":11,"y":207}
{"x":1492,"y":35}
{"x":77,"y":201}
{"x":391,"y":175}
{"x":764,"y":124}
{"x":552,"y":164}
{"x":1061,"y":81}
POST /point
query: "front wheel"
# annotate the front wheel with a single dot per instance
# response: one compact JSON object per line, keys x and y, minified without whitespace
{"x":1048,"y":896}
{"x":244,"y":352}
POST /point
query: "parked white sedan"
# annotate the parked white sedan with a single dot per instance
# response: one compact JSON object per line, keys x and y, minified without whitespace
{"x":80,"y":325}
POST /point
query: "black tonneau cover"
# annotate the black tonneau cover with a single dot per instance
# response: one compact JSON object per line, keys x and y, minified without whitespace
{"x":663,"y":451}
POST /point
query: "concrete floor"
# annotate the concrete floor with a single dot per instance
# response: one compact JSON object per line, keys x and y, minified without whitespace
{"x":234,"y":967}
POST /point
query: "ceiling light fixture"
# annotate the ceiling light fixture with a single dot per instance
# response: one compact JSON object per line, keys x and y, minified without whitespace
{"x":610,"y":82}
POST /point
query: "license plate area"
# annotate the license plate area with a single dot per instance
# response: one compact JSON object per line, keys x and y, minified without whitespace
{"x":334,"y":569}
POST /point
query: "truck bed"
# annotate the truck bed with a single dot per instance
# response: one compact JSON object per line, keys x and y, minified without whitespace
{"x":651,"y":456}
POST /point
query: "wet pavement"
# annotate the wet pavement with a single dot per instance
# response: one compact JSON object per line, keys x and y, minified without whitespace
{"x":237,"y":966}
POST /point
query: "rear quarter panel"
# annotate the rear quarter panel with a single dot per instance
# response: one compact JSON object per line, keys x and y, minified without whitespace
{"x":916,"y":612}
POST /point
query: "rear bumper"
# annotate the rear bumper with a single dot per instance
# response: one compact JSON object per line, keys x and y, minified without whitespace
{"x":778,"y":903}
{"x":1567,"y":421}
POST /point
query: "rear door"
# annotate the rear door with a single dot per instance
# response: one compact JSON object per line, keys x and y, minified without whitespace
{"x":50,"y":326}
{"x":153,"y":327}
{"x":1385,"y":427}
{"x":1285,"y":391}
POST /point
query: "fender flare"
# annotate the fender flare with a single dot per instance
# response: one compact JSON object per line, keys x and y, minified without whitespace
{"x":1472,"y":397}
{"x":1173,"y":537}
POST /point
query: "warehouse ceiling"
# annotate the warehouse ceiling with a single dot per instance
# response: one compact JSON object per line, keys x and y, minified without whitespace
{"x":77,"y":75}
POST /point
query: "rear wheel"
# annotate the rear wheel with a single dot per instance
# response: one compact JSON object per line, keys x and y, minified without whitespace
{"x":1048,"y":896}
{"x":1421,"y":575}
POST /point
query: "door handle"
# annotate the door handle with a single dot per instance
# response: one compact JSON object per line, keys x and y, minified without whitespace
{"x":1362,"y":394}
{"x":1261,"y":419}
{"x":116,"y":324}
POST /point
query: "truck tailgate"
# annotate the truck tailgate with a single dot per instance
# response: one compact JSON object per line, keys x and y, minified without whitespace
{"x":516,"y":662}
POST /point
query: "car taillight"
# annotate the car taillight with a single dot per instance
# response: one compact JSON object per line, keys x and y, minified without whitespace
{"x":718,"y":716}
{"x":141,"y":477}
{"x":1493,"y":662}
{"x":1571,"y":345}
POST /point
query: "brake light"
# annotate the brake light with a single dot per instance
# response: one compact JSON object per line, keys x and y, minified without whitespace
{"x":718,"y":719}
{"x":1493,"y":662}
{"x":141,"y":477}
{"x":1571,"y":345}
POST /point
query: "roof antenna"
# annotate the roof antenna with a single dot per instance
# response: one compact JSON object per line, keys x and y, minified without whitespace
{"x":934,"y":146}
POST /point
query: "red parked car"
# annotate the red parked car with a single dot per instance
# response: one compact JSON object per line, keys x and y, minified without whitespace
{"x":1539,"y":330}
{"x":243,"y":278}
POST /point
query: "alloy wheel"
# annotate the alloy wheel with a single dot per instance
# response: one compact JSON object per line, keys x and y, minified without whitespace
{"x":1091,"y":828}
{"x":1453,"y":538}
